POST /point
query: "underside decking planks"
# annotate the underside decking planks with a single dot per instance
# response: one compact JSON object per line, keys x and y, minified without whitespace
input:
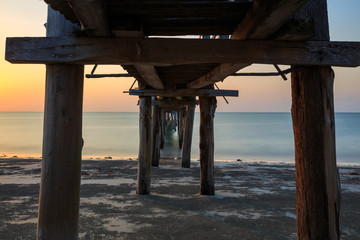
{"x":262,"y":20}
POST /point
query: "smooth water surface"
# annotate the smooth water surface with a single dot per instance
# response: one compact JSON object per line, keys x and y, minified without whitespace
{"x":245,"y":136}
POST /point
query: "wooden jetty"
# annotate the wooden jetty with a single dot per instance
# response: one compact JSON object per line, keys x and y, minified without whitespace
{"x":174,"y":71}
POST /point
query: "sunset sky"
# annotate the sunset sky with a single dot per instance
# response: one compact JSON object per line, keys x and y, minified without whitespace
{"x":22,"y":86}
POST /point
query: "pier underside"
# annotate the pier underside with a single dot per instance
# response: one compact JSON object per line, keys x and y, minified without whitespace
{"x":177,"y":51}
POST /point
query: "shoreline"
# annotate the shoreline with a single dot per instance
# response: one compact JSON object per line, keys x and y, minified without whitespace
{"x":255,"y":200}
{"x":134,"y":158}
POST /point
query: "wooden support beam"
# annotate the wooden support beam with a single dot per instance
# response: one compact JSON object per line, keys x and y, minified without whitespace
{"x":318,"y":190}
{"x":162,"y":129}
{"x":217,"y":74}
{"x":92,"y":17}
{"x":150,"y":75}
{"x":296,"y":30}
{"x":180,"y":51}
{"x":181,"y":114}
{"x":145,"y":145}
{"x":174,"y":103}
{"x":317,"y":183}
{"x":62,"y":144}
{"x":146,"y":71}
{"x":128,"y":33}
{"x":262,"y":20}
{"x":265,"y":18}
{"x":156,"y":121}
{"x":187,"y":136}
{"x":207,"y":114}
{"x":183,"y":92}
{"x":64,"y":8}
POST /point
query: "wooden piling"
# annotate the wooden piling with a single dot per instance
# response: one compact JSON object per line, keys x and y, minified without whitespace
{"x":162,"y":129}
{"x":156,"y":121}
{"x":62,"y":143}
{"x":207,"y":114}
{"x":317,"y":179}
{"x":145,"y":145}
{"x":187,"y":136}
{"x":180,"y":128}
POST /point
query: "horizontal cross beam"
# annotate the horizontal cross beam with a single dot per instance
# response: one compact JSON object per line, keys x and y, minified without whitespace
{"x":183,"y":93}
{"x":165,"y":52}
{"x":174,"y":103}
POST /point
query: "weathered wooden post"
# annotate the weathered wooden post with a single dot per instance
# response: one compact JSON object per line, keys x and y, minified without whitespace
{"x":156,"y":135}
{"x":162,"y":130}
{"x":145,"y":145}
{"x":207,"y":114}
{"x":187,"y":136}
{"x":181,"y":126}
{"x":317,"y":180}
{"x":62,"y":143}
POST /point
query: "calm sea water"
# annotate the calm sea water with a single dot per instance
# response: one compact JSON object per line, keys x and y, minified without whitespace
{"x":246,"y":136}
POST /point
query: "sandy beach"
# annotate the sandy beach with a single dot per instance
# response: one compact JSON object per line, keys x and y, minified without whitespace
{"x":252,"y":201}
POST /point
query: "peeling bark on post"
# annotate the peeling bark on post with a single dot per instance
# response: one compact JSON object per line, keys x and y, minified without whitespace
{"x":207,"y":114}
{"x":62,"y":143}
{"x":318,"y":190}
{"x":156,"y":136}
{"x":187,"y":139}
{"x":145,"y":146}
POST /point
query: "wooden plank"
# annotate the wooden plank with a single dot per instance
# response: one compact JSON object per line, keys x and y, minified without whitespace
{"x":146,"y":71}
{"x":62,"y":144}
{"x":180,"y":74}
{"x":165,"y":18}
{"x":217,"y":74}
{"x":91,"y":16}
{"x":296,"y":30}
{"x":318,"y":192}
{"x":262,"y":20}
{"x":64,"y":8}
{"x":187,"y":136}
{"x":128,"y":33}
{"x":145,"y":145}
{"x":150,"y":75}
{"x":178,"y":10}
{"x":174,"y":103}
{"x":180,"y":51}
{"x":156,"y":136}
{"x":206,"y":143}
{"x":266,"y":17}
{"x":183,"y":92}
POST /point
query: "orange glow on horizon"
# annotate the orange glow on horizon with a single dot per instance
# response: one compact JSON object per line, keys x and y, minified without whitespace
{"x":22,"y":87}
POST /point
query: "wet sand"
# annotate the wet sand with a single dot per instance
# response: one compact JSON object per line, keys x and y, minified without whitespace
{"x":252,"y":201}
